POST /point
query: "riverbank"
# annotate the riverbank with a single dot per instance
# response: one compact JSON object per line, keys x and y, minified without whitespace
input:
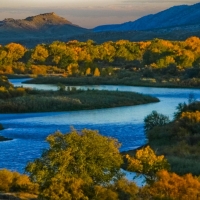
{"x":179,"y":140}
{"x":72,"y":100}
{"x":128,"y":81}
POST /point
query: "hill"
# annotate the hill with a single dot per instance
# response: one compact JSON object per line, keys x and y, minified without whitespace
{"x":176,"y":16}
{"x":37,"y":29}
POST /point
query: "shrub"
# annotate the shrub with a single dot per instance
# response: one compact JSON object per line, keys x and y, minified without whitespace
{"x":15,"y":182}
{"x":155,"y":119}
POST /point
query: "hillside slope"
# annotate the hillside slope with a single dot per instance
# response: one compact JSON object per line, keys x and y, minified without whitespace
{"x":37,"y":29}
{"x":173,"y":17}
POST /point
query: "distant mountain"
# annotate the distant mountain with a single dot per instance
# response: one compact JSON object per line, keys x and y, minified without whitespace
{"x":37,"y":22}
{"x":37,"y":29}
{"x":175,"y":23}
{"x":175,"y":16}
{"x":175,"y":33}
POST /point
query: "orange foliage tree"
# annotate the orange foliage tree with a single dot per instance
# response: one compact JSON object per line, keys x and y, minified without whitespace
{"x":170,"y":186}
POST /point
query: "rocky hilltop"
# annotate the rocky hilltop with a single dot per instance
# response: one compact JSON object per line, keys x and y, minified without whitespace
{"x":176,"y":16}
{"x":37,"y":22}
{"x":37,"y":29}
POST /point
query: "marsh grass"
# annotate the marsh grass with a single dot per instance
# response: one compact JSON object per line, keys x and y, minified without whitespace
{"x":132,"y":80}
{"x":49,"y":101}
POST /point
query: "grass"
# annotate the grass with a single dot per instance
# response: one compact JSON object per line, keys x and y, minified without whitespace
{"x":50,"y":101}
{"x":133,"y":80}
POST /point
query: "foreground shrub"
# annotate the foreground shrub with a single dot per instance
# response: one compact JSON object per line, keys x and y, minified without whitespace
{"x":75,"y":163}
{"x":15,"y":182}
{"x":146,"y":162}
{"x":170,"y":186}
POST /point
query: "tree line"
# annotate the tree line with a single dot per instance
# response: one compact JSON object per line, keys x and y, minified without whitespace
{"x":88,"y":58}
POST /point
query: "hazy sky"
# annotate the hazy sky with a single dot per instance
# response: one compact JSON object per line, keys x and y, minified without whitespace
{"x":87,"y":13}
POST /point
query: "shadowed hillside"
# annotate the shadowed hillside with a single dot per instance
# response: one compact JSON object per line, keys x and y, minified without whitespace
{"x":175,"y":16}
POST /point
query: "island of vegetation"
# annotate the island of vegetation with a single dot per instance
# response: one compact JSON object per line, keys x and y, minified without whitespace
{"x":160,"y":63}
{"x":19,"y":100}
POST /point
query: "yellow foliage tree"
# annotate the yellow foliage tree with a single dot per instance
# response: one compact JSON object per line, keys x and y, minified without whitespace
{"x":88,"y":71}
{"x":75,"y":163}
{"x":145,"y":162}
{"x":15,"y":182}
{"x":96,"y":72}
{"x":15,"y":51}
{"x":40,"y":53}
{"x":193,"y":117}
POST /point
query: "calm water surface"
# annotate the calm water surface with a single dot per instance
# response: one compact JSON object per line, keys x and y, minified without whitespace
{"x":125,"y":123}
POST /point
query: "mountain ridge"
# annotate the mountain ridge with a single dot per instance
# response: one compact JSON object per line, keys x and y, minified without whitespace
{"x":171,"y":17}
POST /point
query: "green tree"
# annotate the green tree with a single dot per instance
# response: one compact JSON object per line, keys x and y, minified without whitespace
{"x":155,"y":119}
{"x":84,"y":159}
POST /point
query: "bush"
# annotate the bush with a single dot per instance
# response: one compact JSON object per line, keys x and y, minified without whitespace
{"x":75,"y":163}
{"x":15,"y":182}
{"x":155,"y":119}
{"x":171,"y":186}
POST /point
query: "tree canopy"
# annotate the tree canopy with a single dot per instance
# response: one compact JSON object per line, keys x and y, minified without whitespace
{"x":75,"y":163}
{"x":61,"y":56}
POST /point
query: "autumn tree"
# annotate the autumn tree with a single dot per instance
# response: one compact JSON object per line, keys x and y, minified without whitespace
{"x":57,"y":50}
{"x":15,"y":182}
{"x":146,"y":162}
{"x":15,"y":51}
{"x":75,"y":163}
{"x":40,"y":53}
{"x":171,"y":186}
{"x":3,"y":54}
{"x":88,"y":71}
{"x":96,"y":72}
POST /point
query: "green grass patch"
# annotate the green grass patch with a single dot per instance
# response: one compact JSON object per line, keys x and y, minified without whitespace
{"x":132,"y":80}
{"x":50,"y":101}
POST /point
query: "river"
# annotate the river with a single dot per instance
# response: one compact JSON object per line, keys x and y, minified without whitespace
{"x":124,"y":123}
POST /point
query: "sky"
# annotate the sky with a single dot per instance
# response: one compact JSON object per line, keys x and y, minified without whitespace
{"x":87,"y":13}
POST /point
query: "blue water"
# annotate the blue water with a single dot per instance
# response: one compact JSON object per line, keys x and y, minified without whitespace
{"x":125,"y":123}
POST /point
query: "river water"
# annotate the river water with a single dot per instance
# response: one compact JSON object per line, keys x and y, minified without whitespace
{"x":124,"y":123}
